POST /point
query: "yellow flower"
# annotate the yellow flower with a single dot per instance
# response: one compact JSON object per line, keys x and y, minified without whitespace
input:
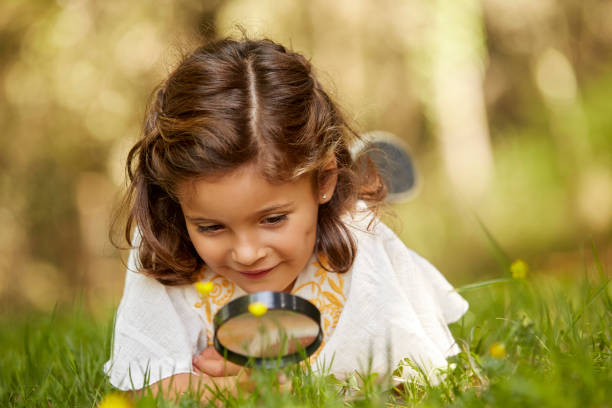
{"x":497,"y":350}
{"x":258,"y":309}
{"x":204,"y":288}
{"x":519,"y":269}
{"x":115,"y":400}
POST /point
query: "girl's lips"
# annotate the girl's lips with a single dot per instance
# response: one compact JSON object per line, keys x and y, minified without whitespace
{"x":256,"y":274}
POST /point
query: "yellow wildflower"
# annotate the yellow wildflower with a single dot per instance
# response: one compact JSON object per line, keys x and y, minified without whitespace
{"x":204,"y":288}
{"x":258,"y":309}
{"x":115,"y":400}
{"x":497,"y":350}
{"x":519,"y":269}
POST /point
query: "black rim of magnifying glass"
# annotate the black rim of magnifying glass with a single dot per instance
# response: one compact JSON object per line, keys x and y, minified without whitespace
{"x":273,"y":301}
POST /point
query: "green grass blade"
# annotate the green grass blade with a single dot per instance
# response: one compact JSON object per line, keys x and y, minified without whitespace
{"x":501,"y":256}
{"x":483,"y":284}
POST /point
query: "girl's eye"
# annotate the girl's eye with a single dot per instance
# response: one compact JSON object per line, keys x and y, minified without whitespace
{"x":276,"y":219}
{"x":209,"y":228}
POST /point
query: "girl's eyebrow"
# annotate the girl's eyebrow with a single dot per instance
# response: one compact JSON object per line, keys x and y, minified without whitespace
{"x":272,"y":208}
{"x":196,"y":220}
{"x":276,"y":207}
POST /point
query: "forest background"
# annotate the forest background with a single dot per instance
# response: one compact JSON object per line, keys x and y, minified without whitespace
{"x":506,"y":107}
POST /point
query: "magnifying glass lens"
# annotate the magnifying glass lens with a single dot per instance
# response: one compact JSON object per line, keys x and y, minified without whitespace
{"x":286,"y":330}
{"x":278,"y":332}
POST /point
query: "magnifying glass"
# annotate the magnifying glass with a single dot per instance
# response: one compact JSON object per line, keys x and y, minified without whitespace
{"x":267,"y":329}
{"x":394,"y":163}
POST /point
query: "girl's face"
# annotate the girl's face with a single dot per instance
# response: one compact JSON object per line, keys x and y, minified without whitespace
{"x":257,"y":234}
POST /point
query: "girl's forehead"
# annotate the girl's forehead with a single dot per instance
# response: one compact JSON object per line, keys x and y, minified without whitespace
{"x":251,"y":170}
{"x":244,"y":182}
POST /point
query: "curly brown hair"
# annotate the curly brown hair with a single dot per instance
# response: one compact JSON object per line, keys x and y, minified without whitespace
{"x":230,"y":103}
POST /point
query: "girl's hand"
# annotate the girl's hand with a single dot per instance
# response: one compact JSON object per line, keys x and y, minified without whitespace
{"x":211,"y":363}
{"x":178,"y":384}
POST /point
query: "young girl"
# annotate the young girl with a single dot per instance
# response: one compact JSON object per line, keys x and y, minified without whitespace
{"x":244,"y":178}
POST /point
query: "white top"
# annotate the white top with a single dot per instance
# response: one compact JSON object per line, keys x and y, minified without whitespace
{"x":391,"y":305}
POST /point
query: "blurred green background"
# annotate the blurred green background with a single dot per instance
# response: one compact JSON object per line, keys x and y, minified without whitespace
{"x":506,"y":106}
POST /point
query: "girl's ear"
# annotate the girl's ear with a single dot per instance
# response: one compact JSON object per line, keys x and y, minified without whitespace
{"x":328,"y":178}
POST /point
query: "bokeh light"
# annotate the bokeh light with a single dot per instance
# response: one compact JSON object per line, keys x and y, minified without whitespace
{"x":505,"y":106}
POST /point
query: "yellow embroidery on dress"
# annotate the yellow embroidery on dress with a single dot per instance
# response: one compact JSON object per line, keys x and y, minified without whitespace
{"x":320,"y":273}
{"x":338,"y":287}
{"x":223,"y":291}
{"x":328,"y":298}
{"x":209,"y":337}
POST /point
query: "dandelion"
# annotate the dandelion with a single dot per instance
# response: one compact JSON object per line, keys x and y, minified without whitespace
{"x":204,"y":288}
{"x":519,"y":269}
{"x":497,"y":350}
{"x":115,"y":400}
{"x":258,"y":309}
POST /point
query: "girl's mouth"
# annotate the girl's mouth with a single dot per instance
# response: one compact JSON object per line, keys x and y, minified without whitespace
{"x":257,"y":274}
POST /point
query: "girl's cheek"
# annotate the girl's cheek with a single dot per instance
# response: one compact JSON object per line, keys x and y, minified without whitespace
{"x":209,"y":252}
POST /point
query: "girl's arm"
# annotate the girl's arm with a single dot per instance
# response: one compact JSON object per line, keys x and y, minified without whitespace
{"x":214,"y":373}
{"x":178,"y":384}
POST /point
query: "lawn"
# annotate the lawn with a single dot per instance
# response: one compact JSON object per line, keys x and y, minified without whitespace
{"x":535,"y":339}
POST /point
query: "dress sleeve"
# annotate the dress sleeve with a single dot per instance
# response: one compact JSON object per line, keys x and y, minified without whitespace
{"x":433,"y":299}
{"x":155,"y":335}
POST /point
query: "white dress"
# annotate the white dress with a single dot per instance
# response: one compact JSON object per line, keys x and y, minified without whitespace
{"x":390,"y":306}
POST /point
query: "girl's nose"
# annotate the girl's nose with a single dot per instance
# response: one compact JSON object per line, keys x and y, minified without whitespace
{"x":247,"y":252}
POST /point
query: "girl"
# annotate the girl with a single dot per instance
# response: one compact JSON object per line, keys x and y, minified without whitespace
{"x":244,"y":178}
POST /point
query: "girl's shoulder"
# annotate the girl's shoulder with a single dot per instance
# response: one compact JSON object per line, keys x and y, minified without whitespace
{"x":369,"y":231}
{"x":384,"y":261}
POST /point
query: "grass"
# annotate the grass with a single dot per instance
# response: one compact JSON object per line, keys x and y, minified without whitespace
{"x":551,"y":337}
